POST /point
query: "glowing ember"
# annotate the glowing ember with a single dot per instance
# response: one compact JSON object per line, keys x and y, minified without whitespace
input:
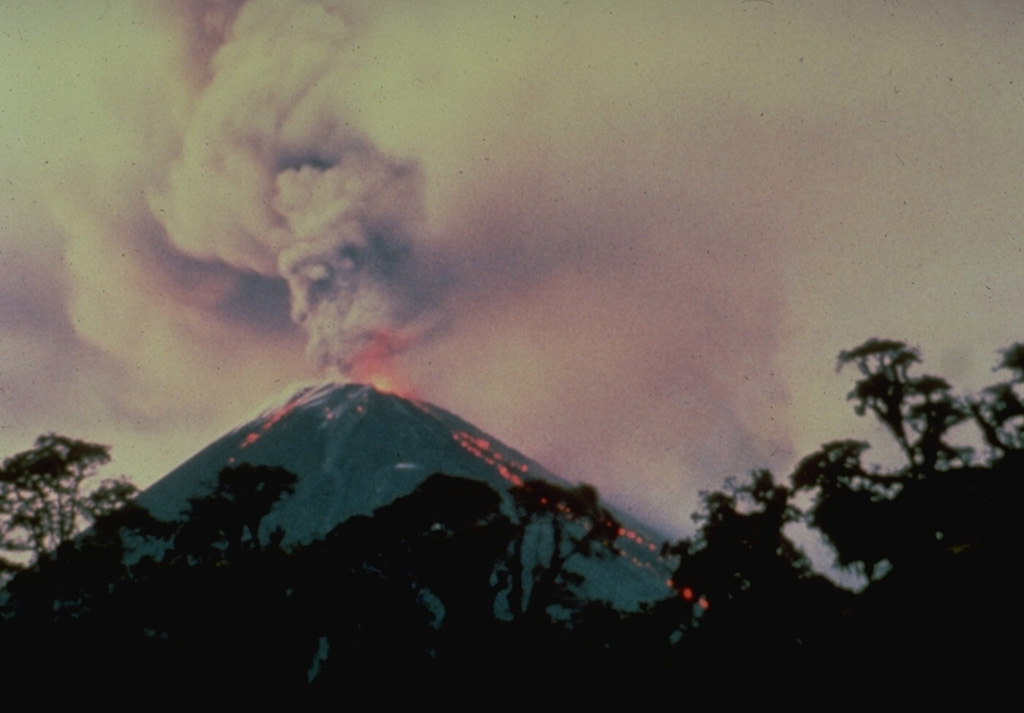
{"x":374,"y":365}
{"x":481,"y":448}
{"x":515,"y":472}
{"x":383,"y":383}
{"x":277,"y":415}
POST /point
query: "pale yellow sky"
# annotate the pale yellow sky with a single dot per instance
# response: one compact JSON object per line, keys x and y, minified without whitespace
{"x":648,"y":227}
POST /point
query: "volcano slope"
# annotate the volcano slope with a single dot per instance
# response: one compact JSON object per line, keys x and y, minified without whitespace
{"x":341,"y":531}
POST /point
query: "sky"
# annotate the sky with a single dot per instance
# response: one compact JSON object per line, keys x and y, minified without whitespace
{"x":627,"y":239}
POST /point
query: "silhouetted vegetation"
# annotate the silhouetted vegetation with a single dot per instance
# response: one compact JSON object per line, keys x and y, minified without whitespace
{"x":458,"y":576}
{"x":933,"y":538}
{"x":573,"y":522}
{"x":425,"y":584}
{"x":42,"y":501}
{"x":226,"y":524}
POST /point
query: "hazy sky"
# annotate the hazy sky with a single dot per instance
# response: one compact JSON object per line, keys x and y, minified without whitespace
{"x":628,"y":239}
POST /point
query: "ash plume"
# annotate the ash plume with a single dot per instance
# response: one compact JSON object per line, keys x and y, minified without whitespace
{"x":273,"y":180}
{"x":357,"y":177}
{"x":628,"y":243}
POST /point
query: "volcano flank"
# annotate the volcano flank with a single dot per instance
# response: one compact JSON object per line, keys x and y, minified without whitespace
{"x":355,"y":449}
{"x":344,"y":531}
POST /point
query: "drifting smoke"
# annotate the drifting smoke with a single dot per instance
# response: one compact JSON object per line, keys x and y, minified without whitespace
{"x":358,"y":176}
{"x":636,"y":240}
{"x":272,"y":180}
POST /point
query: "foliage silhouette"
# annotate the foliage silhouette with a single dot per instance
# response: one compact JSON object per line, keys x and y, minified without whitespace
{"x":228,"y":520}
{"x":918,"y":411}
{"x":931,"y":536}
{"x":419,"y":585}
{"x":42,"y":502}
{"x":559,"y":524}
{"x":458,"y":576}
{"x":745,"y":585}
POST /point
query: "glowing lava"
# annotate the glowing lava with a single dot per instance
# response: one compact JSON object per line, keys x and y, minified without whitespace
{"x":270,"y":421}
{"x":374,"y":364}
{"x":385,"y":383}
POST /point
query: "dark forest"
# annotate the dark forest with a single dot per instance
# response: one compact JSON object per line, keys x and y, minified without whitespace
{"x":435,"y":583}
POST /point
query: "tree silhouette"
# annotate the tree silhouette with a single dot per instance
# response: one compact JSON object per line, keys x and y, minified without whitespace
{"x":918,"y":411}
{"x":410,"y":586}
{"x":999,"y":411}
{"x":930,"y":535}
{"x":213,"y":604}
{"x":744,"y":585}
{"x":228,"y":520}
{"x":461,"y":576}
{"x":851,"y":506}
{"x":935,"y":538}
{"x":561,"y":524}
{"x":42,"y":502}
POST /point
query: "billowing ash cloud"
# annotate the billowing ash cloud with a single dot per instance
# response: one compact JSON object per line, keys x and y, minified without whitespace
{"x":636,"y":239}
{"x":525,"y":188}
{"x":351,"y":269}
{"x":273,"y":180}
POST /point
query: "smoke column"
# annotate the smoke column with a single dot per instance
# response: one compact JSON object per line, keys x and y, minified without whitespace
{"x":475,"y":201}
{"x":628,"y":242}
{"x":274,"y":181}
{"x":506,"y":210}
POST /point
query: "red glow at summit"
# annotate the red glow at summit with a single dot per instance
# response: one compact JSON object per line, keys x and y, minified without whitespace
{"x":375,"y":364}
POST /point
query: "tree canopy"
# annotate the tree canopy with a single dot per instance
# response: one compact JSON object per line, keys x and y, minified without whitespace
{"x":458,"y":574}
{"x":42,"y":499}
{"x":934,"y":537}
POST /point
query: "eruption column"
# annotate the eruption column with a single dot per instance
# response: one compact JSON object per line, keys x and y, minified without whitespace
{"x":274,"y":180}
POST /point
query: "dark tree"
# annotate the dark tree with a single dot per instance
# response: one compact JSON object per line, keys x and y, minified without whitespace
{"x":851,"y":506}
{"x":747,"y":586}
{"x":229,"y":518}
{"x":578,"y":526}
{"x":999,"y":411}
{"x":213,"y":605}
{"x":42,"y":500}
{"x":935,"y":536}
{"x":918,"y":411}
{"x":411,"y":586}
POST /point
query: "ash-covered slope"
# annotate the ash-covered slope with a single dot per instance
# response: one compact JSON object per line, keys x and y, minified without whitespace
{"x":355,"y":449}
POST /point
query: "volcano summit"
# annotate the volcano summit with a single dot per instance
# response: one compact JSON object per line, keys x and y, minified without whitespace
{"x":355,"y":449}
{"x":344,"y":530}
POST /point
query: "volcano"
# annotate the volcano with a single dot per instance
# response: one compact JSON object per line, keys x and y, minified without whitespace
{"x":402,"y":538}
{"x":355,"y":449}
